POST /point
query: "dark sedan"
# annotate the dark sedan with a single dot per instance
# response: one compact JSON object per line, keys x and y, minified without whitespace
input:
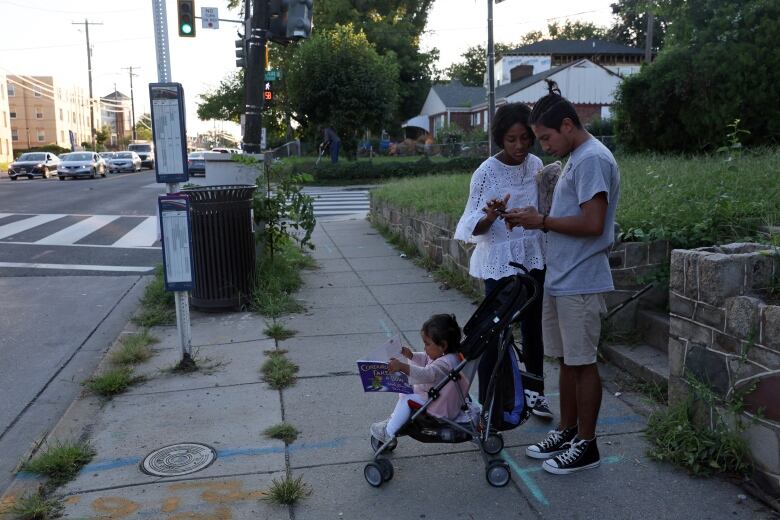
{"x":33,"y":164}
{"x":196,"y":164}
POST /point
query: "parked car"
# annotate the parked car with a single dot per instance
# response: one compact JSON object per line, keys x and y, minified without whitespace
{"x":81,"y":164}
{"x":107,"y":155}
{"x":124,"y":162}
{"x":196,"y":164}
{"x":226,"y":150}
{"x":32,"y":164}
{"x":145,"y":151}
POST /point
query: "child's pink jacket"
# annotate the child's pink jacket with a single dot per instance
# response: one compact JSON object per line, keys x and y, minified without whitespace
{"x":424,"y":373}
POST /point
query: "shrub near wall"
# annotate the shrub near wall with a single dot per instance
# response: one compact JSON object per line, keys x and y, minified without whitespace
{"x":369,"y":171}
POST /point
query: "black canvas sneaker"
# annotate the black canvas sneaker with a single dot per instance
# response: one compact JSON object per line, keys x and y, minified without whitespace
{"x":581,"y":455}
{"x":542,"y":408}
{"x":557,"y":441}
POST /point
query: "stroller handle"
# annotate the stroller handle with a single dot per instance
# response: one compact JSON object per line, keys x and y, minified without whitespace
{"x":519,"y":266}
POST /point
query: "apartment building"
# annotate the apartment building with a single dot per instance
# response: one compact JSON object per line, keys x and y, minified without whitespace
{"x":43,"y":111}
{"x":6,"y":145}
{"x":116,"y":113}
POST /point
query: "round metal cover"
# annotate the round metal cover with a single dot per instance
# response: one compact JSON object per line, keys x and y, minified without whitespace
{"x":178,"y":459}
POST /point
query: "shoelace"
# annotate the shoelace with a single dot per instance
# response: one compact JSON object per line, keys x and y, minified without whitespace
{"x":553,"y":438}
{"x":572,"y":453}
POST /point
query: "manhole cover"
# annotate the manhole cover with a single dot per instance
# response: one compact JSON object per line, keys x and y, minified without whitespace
{"x":178,"y":459}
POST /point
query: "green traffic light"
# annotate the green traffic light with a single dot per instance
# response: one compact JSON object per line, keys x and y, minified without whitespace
{"x":186,"y":28}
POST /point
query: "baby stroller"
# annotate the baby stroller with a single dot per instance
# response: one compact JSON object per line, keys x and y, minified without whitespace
{"x":488,"y":328}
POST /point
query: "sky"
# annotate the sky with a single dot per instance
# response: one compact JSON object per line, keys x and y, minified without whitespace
{"x":39,"y":38}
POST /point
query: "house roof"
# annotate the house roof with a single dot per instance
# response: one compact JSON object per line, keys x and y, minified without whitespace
{"x":115,"y":95}
{"x":575,"y":47}
{"x":457,"y":95}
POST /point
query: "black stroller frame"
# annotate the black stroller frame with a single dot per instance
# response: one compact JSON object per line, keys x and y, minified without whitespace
{"x":480,"y":333}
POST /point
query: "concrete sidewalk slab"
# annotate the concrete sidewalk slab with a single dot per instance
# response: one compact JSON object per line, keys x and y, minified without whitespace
{"x":324,"y":297}
{"x":395,"y":276}
{"x":345,"y":279}
{"x":333,"y":265}
{"x":387,"y":262}
{"x":338,"y":320}
{"x":368,"y":251}
{"x":409,"y":315}
{"x":334,"y":355}
{"x":422,"y":292}
{"x":217,"y":329}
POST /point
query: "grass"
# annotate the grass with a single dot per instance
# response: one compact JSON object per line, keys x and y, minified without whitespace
{"x":35,"y":506}
{"x":690,"y":201}
{"x":278,"y":279}
{"x":279,"y":372}
{"x":134,"y":349}
{"x":112,"y":382}
{"x":288,"y":490}
{"x":702,"y":451}
{"x":278,"y":332}
{"x":157,"y":304}
{"x":60,"y":462}
{"x":283,"y":431}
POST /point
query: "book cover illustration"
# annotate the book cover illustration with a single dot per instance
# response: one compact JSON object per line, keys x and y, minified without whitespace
{"x":374,"y":374}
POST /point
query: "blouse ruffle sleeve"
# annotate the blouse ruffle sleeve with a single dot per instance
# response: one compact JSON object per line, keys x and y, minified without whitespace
{"x":473,"y":213}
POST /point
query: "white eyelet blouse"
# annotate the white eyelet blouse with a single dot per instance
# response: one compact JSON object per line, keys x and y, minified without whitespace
{"x":495,"y":248}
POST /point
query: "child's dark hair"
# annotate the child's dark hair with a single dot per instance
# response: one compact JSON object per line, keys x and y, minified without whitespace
{"x":443,"y":329}
{"x":506,"y":117}
{"x":552,"y":109}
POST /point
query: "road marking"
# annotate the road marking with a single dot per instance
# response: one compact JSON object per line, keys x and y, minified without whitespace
{"x":28,"y":223}
{"x":144,"y":234}
{"x":80,"y":267}
{"x":74,"y":233}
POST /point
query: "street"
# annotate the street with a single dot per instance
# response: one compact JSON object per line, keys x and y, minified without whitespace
{"x":72,"y":259}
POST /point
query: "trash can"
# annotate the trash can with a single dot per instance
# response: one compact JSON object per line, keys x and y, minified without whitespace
{"x":223,"y":242}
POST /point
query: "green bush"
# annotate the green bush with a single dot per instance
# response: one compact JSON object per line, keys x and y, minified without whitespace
{"x":158,"y":306}
{"x":60,"y":462}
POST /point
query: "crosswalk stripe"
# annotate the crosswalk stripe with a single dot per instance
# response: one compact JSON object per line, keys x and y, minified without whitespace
{"x":74,"y":233}
{"x":80,"y":267}
{"x":3,"y":215}
{"x":28,"y":223}
{"x":144,"y":234}
{"x":337,"y":212}
{"x":337,"y":204}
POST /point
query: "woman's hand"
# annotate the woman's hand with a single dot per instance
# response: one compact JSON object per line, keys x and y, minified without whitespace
{"x":407,"y":352}
{"x":496,"y":207}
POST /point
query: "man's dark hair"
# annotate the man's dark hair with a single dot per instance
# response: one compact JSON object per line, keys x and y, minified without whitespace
{"x":506,"y":117}
{"x":443,"y":329}
{"x":552,"y":109}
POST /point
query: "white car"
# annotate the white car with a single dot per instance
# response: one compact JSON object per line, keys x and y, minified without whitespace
{"x":124,"y":162}
{"x":81,"y":164}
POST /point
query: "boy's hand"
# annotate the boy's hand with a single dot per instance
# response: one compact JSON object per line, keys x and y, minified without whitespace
{"x":527,"y":217}
{"x":407,"y":352}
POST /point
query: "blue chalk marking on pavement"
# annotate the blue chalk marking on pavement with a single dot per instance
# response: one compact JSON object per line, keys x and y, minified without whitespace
{"x":111,"y":464}
{"x":523,"y":473}
{"x":384,"y":326}
{"x":603,"y":421}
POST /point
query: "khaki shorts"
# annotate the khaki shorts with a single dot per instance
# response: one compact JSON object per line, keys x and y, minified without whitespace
{"x":571,"y":326}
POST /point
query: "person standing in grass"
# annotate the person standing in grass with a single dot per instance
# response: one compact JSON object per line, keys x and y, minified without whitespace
{"x":580,"y":233}
{"x":507,"y":180}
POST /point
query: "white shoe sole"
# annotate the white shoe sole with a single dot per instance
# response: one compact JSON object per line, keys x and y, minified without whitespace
{"x":539,"y":455}
{"x":549,"y":468}
{"x":543,"y":415}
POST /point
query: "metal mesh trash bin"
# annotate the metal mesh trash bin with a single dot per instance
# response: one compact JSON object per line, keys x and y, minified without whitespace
{"x":224,"y":246}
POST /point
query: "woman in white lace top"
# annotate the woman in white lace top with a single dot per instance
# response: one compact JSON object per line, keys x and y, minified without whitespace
{"x":505,"y":181}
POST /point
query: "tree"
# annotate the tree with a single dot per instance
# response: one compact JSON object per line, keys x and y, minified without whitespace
{"x":576,"y":30}
{"x":630,"y":27}
{"x":719,"y":64}
{"x":143,"y":128}
{"x":226,"y":102}
{"x":337,"y":78}
{"x":102,"y":135}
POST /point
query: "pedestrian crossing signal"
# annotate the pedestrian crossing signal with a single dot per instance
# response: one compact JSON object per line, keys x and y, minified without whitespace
{"x":185,"y":10}
{"x":268,"y":95}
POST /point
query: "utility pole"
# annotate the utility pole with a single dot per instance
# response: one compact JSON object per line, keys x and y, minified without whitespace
{"x":649,"y":37}
{"x":491,"y":58}
{"x":132,"y":99}
{"x":86,"y":24}
{"x":256,"y":13}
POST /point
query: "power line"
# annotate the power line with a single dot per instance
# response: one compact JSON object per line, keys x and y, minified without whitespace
{"x":122,"y":40}
{"x":49,"y":10}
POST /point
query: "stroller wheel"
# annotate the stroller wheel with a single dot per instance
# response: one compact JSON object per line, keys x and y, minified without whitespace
{"x":373,"y":474}
{"x":387,"y":468}
{"x":493,"y":444}
{"x":498,"y":474}
{"x":376,"y":444}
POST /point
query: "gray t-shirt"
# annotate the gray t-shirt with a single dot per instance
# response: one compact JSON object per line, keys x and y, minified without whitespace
{"x":575,"y":264}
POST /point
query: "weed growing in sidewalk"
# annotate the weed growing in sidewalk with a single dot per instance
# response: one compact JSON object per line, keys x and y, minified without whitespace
{"x":35,"y":506}
{"x":157,"y":304}
{"x":60,"y":462}
{"x":278,"y":332}
{"x":112,"y":382}
{"x":288,"y":490}
{"x":278,"y":279}
{"x":134,"y":349}
{"x":283,"y":431}
{"x":279,"y":372}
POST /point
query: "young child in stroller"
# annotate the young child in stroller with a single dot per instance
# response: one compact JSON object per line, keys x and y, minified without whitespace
{"x":441,"y":336}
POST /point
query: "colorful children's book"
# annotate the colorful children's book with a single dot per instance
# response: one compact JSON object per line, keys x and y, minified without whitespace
{"x":374,"y":374}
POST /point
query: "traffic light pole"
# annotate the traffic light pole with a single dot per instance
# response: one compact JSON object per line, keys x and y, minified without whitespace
{"x":253,"y":78}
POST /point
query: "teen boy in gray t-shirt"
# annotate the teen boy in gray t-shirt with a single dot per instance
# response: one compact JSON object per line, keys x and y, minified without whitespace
{"x":580,"y":233}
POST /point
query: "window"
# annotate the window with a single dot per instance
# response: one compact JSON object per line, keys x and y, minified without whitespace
{"x":41,"y":135}
{"x":62,"y":135}
{"x":11,"y":90}
{"x":13,"y":114}
{"x":38,"y":113}
{"x":14,"y":134}
{"x":60,"y":114}
{"x":36,"y":92}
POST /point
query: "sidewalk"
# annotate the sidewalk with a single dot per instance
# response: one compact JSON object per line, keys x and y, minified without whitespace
{"x":363,"y":292}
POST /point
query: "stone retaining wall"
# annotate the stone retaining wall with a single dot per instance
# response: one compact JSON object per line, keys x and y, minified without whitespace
{"x":724,"y":333}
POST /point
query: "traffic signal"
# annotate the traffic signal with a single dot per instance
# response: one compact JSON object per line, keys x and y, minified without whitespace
{"x":299,"y":19}
{"x":277,"y":27}
{"x":268,"y":95}
{"x":240,"y":53}
{"x":186,"y":12}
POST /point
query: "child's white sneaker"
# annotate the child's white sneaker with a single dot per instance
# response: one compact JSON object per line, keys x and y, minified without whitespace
{"x":379,"y":431}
